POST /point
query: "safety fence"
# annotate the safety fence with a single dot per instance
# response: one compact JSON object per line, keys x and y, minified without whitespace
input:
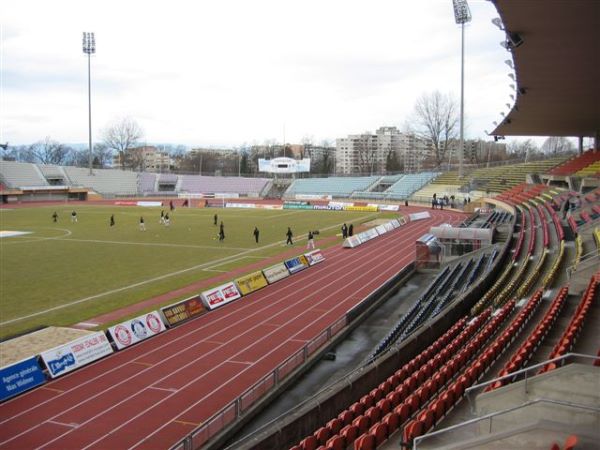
{"x":236,"y":408}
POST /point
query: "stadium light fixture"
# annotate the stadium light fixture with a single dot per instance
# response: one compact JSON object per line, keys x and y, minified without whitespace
{"x":495,"y":123}
{"x":508,"y":105}
{"x":522,"y":91}
{"x":513,"y":87}
{"x":512,"y":76}
{"x":89,"y":48}
{"x":512,"y":97}
{"x":498,"y":22}
{"x":505,"y":45}
{"x":509,"y":63}
{"x":462,"y":15}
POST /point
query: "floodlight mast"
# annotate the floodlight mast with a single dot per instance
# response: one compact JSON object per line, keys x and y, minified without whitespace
{"x":89,"y":48}
{"x":462,"y":15}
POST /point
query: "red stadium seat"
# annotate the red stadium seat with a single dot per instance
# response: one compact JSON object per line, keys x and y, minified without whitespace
{"x":346,"y":417}
{"x":392,"y":420}
{"x":394,"y":399}
{"x":336,"y":443}
{"x":309,"y":443}
{"x":403,"y":411}
{"x":427,"y":417}
{"x":365,"y":442}
{"x":373,"y":414}
{"x":357,"y":409}
{"x":571,"y":442}
{"x":322,"y":435}
{"x":334,"y":426}
{"x":349,"y":433}
{"x":362,"y":423}
{"x":384,"y":405}
{"x":412,"y":430}
{"x":380,"y":431}
{"x":367,"y":401}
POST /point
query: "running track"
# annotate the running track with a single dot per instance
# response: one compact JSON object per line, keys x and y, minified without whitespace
{"x":152,"y":394}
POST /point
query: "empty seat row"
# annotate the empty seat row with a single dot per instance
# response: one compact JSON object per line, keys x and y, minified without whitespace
{"x":533,"y":276}
{"x":396,"y":390}
{"x":569,"y":337}
{"x":491,"y":292}
{"x":551,"y":275}
{"x":443,"y":402}
{"x":535,"y":338}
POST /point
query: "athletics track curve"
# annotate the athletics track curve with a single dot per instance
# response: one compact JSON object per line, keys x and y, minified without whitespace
{"x":152,"y":394}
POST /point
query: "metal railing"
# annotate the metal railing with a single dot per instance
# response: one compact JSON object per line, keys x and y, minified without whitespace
{"x":418,"y":440}
{"x":236,"y":408}
{"x":525,"y":371}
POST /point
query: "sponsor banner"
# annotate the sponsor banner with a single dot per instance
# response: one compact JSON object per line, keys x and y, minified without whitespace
{"x":296,"y":264}
{"x":395,"y":223}
{"x":135,"y":330}
{"x":340,"y":204}
{"x":261,"y":206}
{"x":149,"y":203}
{"x":300,"y":207}
{"x":367,"y":235}
{"x":361,"y":208}
{"x":388,"y":207}
{"x":276,"y":273}
{"x":75,"y":354}
{"x":312,"y":197}
{"x":126,"y":203}
{"x":419,"y":216}
{"x":251,"y":282}
{"x":227,"y":195}
{"x":388,"y":226}
{"x":381,"y":229}
{"x":20,"y":377}
{"x":183,"y":310}
{"x":239,"y":205}
{"x":220,"y":295}
{"x":325,"y":207}
{"x":294,"y":202}
{"x":352,"y":241}
{"x":314,"y":257}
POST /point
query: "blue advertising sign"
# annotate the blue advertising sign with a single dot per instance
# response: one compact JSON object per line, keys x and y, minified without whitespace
{"x":296,"y":264}
{"x":20,"y":377}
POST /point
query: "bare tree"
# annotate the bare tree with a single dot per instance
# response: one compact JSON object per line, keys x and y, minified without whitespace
{"x":557,"y":144}
{"x":121,"y":136}
{"x":436,"y":119}
{"x":49,"y":151}
{"x":525,"y":150}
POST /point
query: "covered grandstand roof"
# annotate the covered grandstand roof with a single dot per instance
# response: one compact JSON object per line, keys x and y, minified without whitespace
{"x":557,"y":67}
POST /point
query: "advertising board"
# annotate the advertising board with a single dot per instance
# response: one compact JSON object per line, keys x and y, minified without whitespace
{"x":75,"y":354}
{"x":135,"y":330}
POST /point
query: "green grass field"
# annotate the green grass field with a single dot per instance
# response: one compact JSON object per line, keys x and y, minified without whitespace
{"x":98,"y":268}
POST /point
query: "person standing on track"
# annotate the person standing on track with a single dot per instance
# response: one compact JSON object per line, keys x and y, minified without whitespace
{"x":256,"y":234}
{"x":310,"y":245}
{"x":351,"y":230}
{"x":289,"y":235}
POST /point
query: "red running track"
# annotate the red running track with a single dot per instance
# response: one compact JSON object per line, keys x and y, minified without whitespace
{"x":153,"y":394}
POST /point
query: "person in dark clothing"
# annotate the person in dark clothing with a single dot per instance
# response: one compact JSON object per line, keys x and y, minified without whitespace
{"x":171,"y":205}
{"x":351,"y":230}
{"x":289,"y":235}
{"x":344,"y":231}
{"x":112,"y":220}
{"x":215,"y":219}
{"x":256,"y":234}
{"x":162,"y":217}
{"x":74,"y":216}
{"x":221,"y":232}
{"x":55,"y":217}
{"x":310,"y":245}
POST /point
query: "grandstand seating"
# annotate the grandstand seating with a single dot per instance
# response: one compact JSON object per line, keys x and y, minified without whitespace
{"x":147,"y":183}
{"x":334,"y":186}
{"x":577,"y":164}
{"x":409,"y":184}
{"x":105,"y":181}
{"x":16,"y":175}
{"x":208,"y":184}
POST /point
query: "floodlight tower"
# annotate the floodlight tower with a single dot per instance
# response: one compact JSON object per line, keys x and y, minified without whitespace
{"x":89,"y":48}
{"x":462,"y":15}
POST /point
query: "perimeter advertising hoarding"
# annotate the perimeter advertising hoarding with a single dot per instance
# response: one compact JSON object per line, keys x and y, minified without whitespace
{"x":296,"y":264}
{"x":251,"y":282}
{"x":284,"y":165}
{"x":75,"y":354}
{"x":20,"y":377}
{"x":183,"y":310}
{"x":276,"y":273}
{"x":220,"y":295}
{"x":135,"y":330}
{"x":361,"y":208}
{"x":314,"y":257}
{"x":381,"y":229}
{"x":352,"y":241}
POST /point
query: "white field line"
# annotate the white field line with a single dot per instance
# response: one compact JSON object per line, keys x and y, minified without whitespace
{"x":151,"y":280}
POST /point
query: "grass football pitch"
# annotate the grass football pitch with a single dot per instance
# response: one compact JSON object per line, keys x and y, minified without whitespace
{"x":63,"y":273}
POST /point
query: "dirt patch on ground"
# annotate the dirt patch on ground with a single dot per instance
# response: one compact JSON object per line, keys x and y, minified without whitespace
{"x":37,"y":342}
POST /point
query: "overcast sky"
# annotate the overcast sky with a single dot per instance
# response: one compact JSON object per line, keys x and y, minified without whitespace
{"x":228,"y":72}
